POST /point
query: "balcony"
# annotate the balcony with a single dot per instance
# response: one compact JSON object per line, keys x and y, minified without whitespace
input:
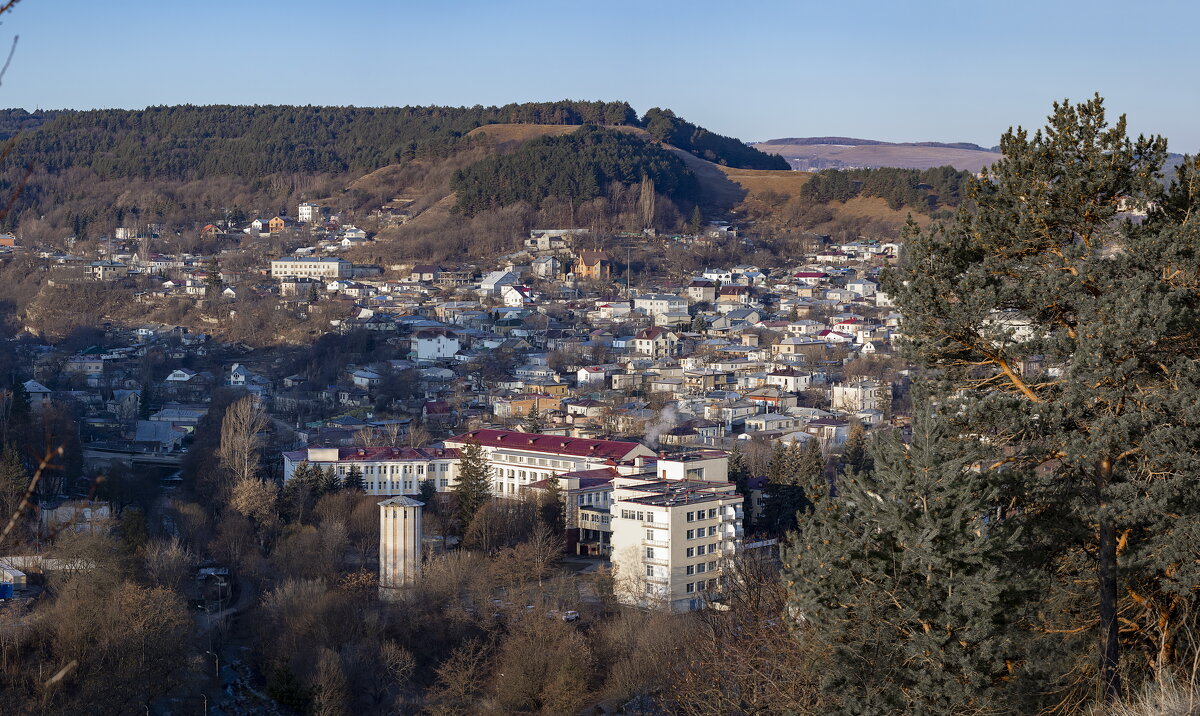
{"x":655,"y":542}
{"x":657,"y":561}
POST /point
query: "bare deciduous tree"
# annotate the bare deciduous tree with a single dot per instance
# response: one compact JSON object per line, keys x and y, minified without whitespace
{"x":241,"y":440}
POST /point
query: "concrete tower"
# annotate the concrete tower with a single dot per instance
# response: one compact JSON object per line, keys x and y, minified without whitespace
{"x":399,"y":542}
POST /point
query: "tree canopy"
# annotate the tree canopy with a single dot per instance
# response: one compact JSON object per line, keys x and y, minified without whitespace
{"x":1067,"y":336}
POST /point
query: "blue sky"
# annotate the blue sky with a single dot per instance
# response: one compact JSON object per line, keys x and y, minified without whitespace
{"x":924,"y":70}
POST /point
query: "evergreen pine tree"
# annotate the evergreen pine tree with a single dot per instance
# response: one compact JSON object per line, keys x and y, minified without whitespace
{"x":854,"y":452}
{"x":917,"y":589}
{"x":299,"y":491}
{"x":1071,"y":338}
{"x":427,"y":493}
{"x":699,"y":325}
{"x":739,"y":475}
{"x":534,"y":422}
{"x":144,"y":396}
{"x":787,"y":475}
{"x":354,"y":480}
{"x":14,"y":481}
{"x":474,"y":486}
{"x":552,"y":507}
{"x":328,"y":481}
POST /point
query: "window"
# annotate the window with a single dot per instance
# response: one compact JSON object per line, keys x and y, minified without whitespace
{"x":691,"y":551}
{"x":649,"y":534}
{"x":691,"y":534}
{"x":712,"y":530}
{"x":691,"y":516}
{"x":712,"y":548}
{"x":712,"y":513}
{"x":691,"y":569}
{"x":649,"y":553}
{"x":700,"y":568}
{"x":649,"y":571}
{"x":649,"y":516}
{"x":712,"y":566}
{"x":691,"y":587}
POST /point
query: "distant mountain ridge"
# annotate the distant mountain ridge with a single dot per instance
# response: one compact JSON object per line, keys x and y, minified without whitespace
{"x":817,"y":153}
{"x":853,"y":142}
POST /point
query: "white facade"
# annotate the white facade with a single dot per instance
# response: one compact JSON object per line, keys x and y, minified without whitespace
{"x":385,"y":470}
{"x":310,"y":267}
{"x":308,"y":213}
{"x":399,"y":542}
{"x":659,"y":303}
{"x":671,"y":541}
{"x":518,"y":459}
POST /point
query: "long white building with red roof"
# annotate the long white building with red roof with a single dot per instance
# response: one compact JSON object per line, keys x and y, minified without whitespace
{"x":519,"y":459}
{"x":385,"y":470}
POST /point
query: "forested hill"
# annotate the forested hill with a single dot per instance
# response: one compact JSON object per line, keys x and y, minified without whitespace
{"x":663,"y":125}
{"x":185,"y":143}
{"x":575,"y":168}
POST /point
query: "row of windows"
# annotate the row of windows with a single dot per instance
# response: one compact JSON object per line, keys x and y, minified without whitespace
{"x":700,"y":532}
{"x":592,"y":517}
{"x":701,"y":568}
{"x":408,"y":486}
{"x":700,"y":586}
{"x":700,"y":515}
{"x":697,"y":551}
{"x":393,"y":469}
{"x":541,"y":461}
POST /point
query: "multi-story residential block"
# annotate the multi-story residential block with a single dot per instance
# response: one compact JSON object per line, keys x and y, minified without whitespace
{"x":862,"y":394}
{"x":385,"y":470}
{"x":310,"y":267}
{"x":659,"y":303}
{"x":671,"y":540}
{"x":308,"y":213}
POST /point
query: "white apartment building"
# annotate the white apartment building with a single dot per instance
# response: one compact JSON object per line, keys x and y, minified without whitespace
{"x":671,"y":540}
{"x":862,"y":394}
{"x":655,"y":304}
{"x":310,"y":267}
{"x":385,"y":470}
{"x":308,"y":213}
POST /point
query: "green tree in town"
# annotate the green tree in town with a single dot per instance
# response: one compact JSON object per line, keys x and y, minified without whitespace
{"x":696,"y":222}
{"x":300,"y":491}
{"x":474,"y":487}
{"x":919,"y":593}
{"x":1070,"y":337}
{"x":427,"y":493}
{"x":795,"y":475}
{"x":739,"y":475}
{"x":552,"y":506}
{"x":14,"y":481}
{"x":213,"y":284}
{"x":534,"y":421}
{"x":328,"y":482}
{"x":854,"y":453}
{"x":354,"y":479}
